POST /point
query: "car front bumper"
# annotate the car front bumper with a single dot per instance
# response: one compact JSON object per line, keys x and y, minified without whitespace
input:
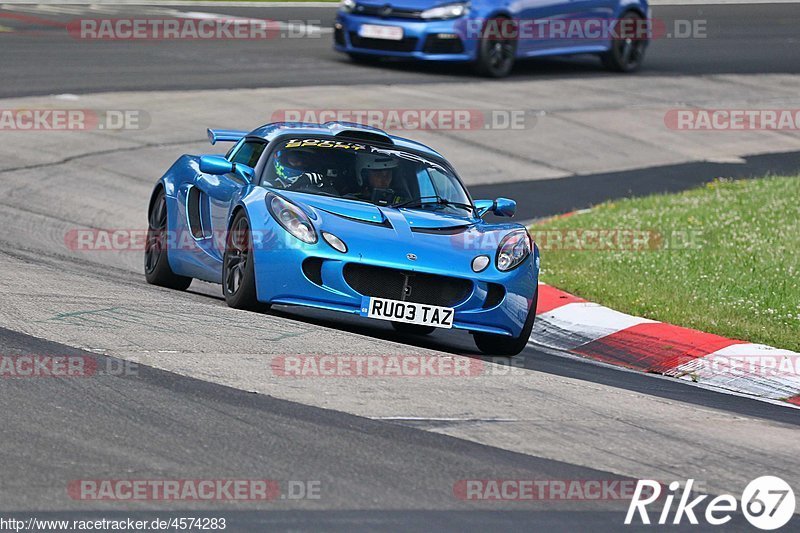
{"x":436,"y":40}
{"x":290,"y":272}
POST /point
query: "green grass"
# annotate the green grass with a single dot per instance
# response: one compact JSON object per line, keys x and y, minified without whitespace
{"x":729,"y":263}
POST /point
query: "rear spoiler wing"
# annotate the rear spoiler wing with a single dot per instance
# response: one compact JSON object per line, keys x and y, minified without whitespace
{"x":230,"y":136}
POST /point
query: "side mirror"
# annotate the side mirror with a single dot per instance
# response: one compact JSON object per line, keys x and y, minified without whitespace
{"x":216,"y":165}
{"x":502,"y":207}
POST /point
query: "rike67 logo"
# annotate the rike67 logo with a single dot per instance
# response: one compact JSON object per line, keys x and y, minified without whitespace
{"x":767,"y":502}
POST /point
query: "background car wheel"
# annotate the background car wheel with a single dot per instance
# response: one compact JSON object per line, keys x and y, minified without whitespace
{"x":497,"y":49}
{"x":238,"y":269}
{"x":500,"y":344}
{"x":412,"y":329}
{"x":627,"y":50}
{"x":156,"y":264}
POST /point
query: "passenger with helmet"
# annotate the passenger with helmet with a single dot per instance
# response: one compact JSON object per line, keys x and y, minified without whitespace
{"x":379,"y":183}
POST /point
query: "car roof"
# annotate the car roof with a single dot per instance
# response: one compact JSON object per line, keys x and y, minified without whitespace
{"x":350,"y":130}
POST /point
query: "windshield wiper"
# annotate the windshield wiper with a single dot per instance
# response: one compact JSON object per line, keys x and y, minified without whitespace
{"x":438,"y":200}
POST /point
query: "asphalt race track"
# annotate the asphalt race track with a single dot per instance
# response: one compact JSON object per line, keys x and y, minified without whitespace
{"x":186,"y":387}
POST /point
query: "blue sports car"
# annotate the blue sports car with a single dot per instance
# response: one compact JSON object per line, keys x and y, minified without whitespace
{"x":344,"y":217}
{"x":492,"y":34}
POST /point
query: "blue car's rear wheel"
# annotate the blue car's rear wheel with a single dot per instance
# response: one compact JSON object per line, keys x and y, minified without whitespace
{"x":238,"y":269}
{"x":627,"y":50}
{"x":497,"y":48}
{"x":508,"y":346}
{"x":156,"y":263}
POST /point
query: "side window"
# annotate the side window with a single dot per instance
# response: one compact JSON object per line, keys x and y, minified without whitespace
{"x":249,"y":153}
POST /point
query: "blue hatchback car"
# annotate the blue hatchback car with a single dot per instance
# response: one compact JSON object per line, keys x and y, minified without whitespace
{"x":347,"y":218}
{"x":492,"y":34}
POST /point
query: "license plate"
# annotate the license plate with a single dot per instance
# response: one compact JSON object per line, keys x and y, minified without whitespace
{"x":375,"y":31}
{"x":408,"y":312}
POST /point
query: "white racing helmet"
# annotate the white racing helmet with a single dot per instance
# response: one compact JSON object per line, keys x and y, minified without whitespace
{"x":369,"y":162}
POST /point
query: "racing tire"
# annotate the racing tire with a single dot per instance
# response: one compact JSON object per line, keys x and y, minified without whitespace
{"x":496,"y":51}
{"x":238,"y":269}
{"x":627,"y":51}
{"x":412,"y":329}
{"x":491,"y":344}
{"x":156,"y":263}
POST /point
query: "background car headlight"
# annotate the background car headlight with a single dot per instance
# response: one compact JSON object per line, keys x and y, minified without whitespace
{"x":450,"y":11}
{"x":291,"y":218}
{"x":513,"y":250}
{"x":347,"y":5}
{"x":337,"y":243}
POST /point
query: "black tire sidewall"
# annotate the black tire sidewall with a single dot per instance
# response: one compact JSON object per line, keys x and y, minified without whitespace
{"x":491,"y":344}
{"x":162,"y":274}
{"x":482,"y":66}
{"x":245,"y":296}
{"x":611,"y":58}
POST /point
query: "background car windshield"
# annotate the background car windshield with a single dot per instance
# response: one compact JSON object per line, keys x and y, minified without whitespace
{"x":362,"y":172}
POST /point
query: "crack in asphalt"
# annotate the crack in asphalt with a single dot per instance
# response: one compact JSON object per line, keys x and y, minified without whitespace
{"x":84,"y":155}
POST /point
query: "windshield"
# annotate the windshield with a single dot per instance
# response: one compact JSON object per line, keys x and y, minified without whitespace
{"x":385,"y":177}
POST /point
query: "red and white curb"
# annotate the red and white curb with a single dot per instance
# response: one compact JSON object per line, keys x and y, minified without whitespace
{"x":570,"y":324}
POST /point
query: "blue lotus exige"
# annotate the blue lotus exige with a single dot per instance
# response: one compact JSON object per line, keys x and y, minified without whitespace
{"x":344,"y":217}
{"x":492,"y":34}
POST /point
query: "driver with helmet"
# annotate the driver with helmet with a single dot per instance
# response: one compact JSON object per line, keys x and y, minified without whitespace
{"x":294,"y":168}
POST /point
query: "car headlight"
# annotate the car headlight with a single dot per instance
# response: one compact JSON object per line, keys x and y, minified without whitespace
{"x":513,"y":250}
{"x":450,"y":11}
{"x":291,"y":218}
{"x":347,"y":5}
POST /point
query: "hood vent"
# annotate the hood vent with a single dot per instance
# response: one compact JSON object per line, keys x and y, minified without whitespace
{"x":452,"y":230}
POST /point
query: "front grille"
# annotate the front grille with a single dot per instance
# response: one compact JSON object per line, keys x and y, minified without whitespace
{"x":408,"y":286}
{"x":406,"y":44}
{"x":436,"y":45}
{"x":387,"y":12}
